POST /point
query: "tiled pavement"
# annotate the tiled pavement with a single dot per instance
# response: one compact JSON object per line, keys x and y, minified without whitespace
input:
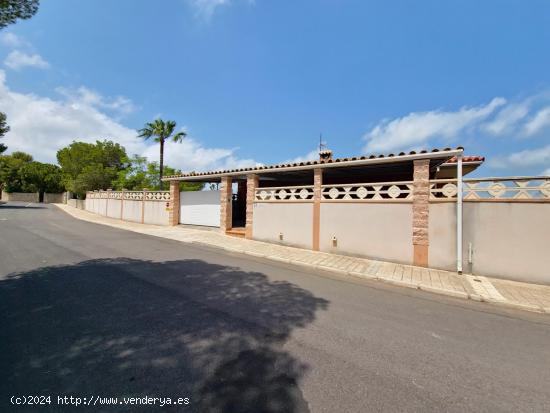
{"x":530,"y":297}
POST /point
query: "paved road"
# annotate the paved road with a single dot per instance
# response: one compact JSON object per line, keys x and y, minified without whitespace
{"x":89,"y":310}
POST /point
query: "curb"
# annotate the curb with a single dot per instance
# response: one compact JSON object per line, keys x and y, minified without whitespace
{"x":526,"y":307}
{"x":436,"y":290}
{"x":362,"y":275}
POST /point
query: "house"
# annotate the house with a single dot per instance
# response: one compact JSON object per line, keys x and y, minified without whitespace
{"x":375,"y":206}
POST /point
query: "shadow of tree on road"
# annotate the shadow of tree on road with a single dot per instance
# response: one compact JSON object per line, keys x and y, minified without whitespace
{"x":124,"y":327}
{"x":8,"y":206}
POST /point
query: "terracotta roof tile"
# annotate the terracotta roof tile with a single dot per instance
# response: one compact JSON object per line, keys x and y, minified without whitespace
{"x":319,"y":162}
{"x":468,"y":158}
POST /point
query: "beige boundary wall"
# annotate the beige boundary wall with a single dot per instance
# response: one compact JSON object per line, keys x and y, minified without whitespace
{"x":347,"y":224}
{"x":20,"y":196}
{"x":34,"y":197}
{"x":506,"y":223}
{"x":345,"y":228}
{"x":146,"y":207}
{"x":291,"y":221}
{"x":132,"y":211}
{"x":55,"y":198}
{"x":77,"y":203}
{"x":501,"y":239}
{"x":376,"y":230}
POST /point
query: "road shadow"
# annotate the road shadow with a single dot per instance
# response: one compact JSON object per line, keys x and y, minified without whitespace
{"x":8,"y":206}
{"x":123,"y":327}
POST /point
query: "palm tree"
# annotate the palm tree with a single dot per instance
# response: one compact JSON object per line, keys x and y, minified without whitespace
{"x":161,"y":131}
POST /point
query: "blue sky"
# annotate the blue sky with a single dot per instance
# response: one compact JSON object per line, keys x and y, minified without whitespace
{"x":259,"y":80}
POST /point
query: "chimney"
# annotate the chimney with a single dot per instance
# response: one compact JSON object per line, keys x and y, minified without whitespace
{"x":325,"y":155}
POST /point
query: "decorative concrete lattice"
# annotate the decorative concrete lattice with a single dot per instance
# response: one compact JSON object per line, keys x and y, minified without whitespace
{"x":133,"y":195}
{"x":130,"y":195}
{"x":528,"y":188}
{"x":382,"y":191}
{"x":284,"y":194}
{"x":157,"y":195}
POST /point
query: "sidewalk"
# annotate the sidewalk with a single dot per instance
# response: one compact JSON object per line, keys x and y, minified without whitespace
{"x":531,"y":297}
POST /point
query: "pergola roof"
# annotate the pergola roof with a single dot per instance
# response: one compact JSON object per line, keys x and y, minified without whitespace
{"x":437,"y":156}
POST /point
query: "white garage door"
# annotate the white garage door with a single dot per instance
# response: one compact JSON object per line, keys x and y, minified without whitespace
{"x":200,"y":208}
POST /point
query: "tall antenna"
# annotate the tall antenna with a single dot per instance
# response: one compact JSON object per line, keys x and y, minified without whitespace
{"x":322,"y":145}
{"x":325,"y":154}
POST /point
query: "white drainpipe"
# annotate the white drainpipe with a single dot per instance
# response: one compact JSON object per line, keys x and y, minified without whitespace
{"x":459,"y":214}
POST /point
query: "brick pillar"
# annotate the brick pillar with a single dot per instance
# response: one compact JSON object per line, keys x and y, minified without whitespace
{"x":174,"y":214}
{"x":317,"y":182}
{"x":421,"y":207}
{"x":251,"y":185}
{"x":226,"y":207}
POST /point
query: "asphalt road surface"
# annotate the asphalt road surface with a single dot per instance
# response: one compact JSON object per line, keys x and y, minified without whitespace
{"x":91,"y":311}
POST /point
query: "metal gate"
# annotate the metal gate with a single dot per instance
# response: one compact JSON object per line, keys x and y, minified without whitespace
{"x":200,"y":208}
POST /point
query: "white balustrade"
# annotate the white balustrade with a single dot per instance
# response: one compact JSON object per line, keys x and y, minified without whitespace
{"x":484,"y":189}
{"x":130,"y":195}
{"x":284,"y":194}
{"x":368,"y":192}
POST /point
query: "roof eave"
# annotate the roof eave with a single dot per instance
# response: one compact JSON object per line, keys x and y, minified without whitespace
{"x":453,"y":164}
{"x":359,"y":162}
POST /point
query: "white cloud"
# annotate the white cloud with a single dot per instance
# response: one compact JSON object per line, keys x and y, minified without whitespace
{"x":191,"y":155}
{"x":310,"y":156}
{"x":416,"y":129}
{"x":526,"y":158}
{"x":17,"y":60}
{"x":85,"y":96}
{"x":12,"y":40}
{"x":41,"y":125}
{"x":204,"y":9}
{"x":516,"y":119}
{"x":529,"y":157}
{"x":538,"y":122}
{"x":508,"y":118}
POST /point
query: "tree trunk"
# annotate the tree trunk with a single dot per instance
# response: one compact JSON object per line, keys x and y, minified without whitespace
{"x":161,"y":167}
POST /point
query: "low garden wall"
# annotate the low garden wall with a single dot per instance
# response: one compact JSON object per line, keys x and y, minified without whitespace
{"x":20,"y":196}
{"x":500,"y":239}
{"x":34,"y":197}
{"x":55,"y":198}
{"x":505,"y":223}
{"x":145,"y":207}
{"x":284,"y":223}
{"x":77,"y":203}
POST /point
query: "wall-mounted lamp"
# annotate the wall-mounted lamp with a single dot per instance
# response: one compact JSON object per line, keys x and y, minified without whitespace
{"x":334,"y":241}
{"x":280,"y":236}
